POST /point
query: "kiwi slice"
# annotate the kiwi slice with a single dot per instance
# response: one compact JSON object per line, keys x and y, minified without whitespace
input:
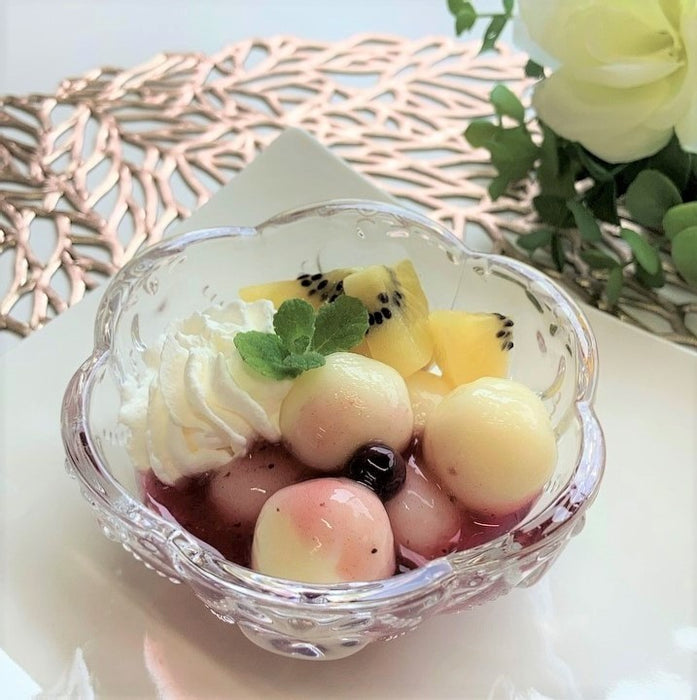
{"x":471,"y":345}
{"x":399,"y":333}
{"x":316,"y":288}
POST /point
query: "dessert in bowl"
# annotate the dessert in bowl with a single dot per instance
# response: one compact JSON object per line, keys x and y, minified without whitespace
{"x":209,"y":455}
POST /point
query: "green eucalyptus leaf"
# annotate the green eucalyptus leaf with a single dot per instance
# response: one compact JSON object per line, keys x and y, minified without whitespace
{"x":513,"y":152}
{"x":480,"y":132}
{"x":684,"y":253}
{"x":679,"y":217}
{"x":548,"y":169}
{"x":456,"y":5}
{"x":597,"y":169}
{"x":613,"y":289}
{"x":539,"y":238}
{"x":650,"y":196}
{"x":507,"y":104}
{"x":598,"y":260}
{"x":673,"y":162}
{"x":650,"y":280}
{"x":558,"y":253}
{"x":498,"y":186}
{"x":625,"y":175}
{"x":553,"y":210}
{"x":556,"y":172}
{"x":465,"y":19}
{"x":602,"y":201}
{"x":493,"y":32}
{"x":585,"y":221}
{"x":534,"y":70}
{"x":508,"y":6}
{"x":644,"y":253}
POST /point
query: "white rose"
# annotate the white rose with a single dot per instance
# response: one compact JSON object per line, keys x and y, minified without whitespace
{"x":626,"y":72}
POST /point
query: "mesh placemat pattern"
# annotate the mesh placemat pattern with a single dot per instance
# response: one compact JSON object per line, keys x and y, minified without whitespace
{"x":108,"y":162}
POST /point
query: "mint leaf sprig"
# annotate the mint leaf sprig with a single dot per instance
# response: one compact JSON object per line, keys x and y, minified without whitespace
{"x":303,"y":337}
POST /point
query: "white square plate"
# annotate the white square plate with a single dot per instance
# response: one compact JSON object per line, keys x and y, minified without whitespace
{"x":615,"y":618}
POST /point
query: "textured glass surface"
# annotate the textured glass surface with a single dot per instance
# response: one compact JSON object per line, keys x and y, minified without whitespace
{"x":554,"y":354}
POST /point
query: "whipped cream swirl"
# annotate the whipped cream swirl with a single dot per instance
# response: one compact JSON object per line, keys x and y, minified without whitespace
{"x":198,"y":405}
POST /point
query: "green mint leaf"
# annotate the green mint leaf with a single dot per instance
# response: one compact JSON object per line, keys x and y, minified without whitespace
{"x":534,"y":70}
{"x":303,"y":338}
{"x":644,"y":253}
{"x":493,"y":32}
{"x":650,"y":196}
{"x":456,"y":5}
{"x":684,"y":254}
{"x":613,"y":289}
{"x":264,"y":352}
{"x":507,"y":104}
{"x":679,"y":218}
{"x":585,"y":222}
{"x":294,"y":324}
{"x":299,"y":363}
{"x":340,"y":325}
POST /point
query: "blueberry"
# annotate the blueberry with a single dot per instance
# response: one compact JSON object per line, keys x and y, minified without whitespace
{"x":378,"y":467}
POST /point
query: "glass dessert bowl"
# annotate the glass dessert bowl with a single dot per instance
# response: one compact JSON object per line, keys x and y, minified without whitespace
{"x":554,"y":355}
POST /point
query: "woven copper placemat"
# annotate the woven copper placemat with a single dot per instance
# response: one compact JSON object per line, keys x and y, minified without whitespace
{"x":108,"y":162}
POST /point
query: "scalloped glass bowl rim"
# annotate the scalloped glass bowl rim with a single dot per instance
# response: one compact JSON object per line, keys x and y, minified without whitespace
{"x":233,"y":578}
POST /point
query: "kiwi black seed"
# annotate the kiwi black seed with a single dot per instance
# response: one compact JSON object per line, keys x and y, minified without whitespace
{"x":326,"y":287}
{"x":506,"y":332}
{"x":386,"y":302}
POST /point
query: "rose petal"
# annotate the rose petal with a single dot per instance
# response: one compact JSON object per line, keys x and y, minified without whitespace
{"x":545,"y":21}
{"x":686,"y":126}
{"x":628,"y":75}
{"x":610,"y":123}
